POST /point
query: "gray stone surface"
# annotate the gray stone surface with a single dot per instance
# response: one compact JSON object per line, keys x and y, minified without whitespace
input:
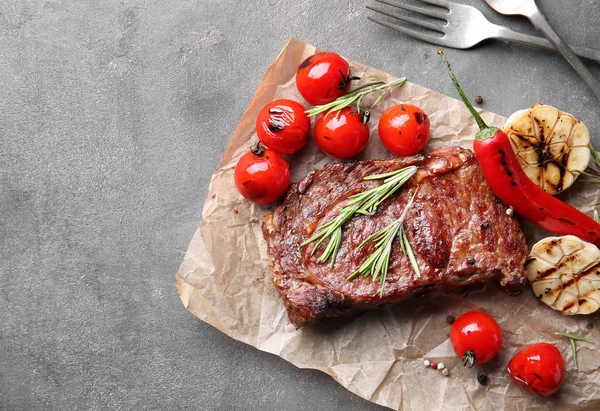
{"x":113,"y":115}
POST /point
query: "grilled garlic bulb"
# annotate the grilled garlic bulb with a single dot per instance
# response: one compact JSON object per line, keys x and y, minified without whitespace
{"x":565,"y":274}
{"x":552,"y":146}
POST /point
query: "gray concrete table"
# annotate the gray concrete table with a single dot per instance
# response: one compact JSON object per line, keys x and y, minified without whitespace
{"x":113,"y":115}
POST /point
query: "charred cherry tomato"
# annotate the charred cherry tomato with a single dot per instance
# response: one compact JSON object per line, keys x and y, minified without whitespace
{"x":283,"y":126}
{"x":539,"y":368}
{"x":323,"y":77}
{"x":404,"y":129}
{"x":262,"y":175}
{"x":342,"y":134}
{"x":476,"y":337}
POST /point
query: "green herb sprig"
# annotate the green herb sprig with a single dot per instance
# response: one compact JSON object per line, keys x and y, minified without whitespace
{"x":595,"y":156}
{"x":377,"y":264}
{"x":365,"y":203}
{"x":356,"y":96}
{"x":591,"y":173}
{"x":572,"y":340}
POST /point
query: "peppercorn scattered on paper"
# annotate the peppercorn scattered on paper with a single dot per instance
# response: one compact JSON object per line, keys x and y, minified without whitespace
{"x":225,"y":281}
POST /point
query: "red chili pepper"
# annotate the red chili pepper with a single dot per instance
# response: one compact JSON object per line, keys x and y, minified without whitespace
{"x":509,"y":182}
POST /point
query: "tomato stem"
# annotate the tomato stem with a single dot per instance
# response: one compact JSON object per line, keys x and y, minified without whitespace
{"x":346,"y":80}
{"x":258,"y":150}
{"x":468,"y":360}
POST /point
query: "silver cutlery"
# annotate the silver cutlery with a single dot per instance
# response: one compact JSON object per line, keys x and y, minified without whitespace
{"x":529,"y":9}
{"x":464,"y":27}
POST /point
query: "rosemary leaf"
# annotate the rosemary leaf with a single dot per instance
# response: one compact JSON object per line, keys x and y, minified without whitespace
{"x":410,"y":254}
{"x":574,"y":351}
{"x":576,"y":337}
{"x":596,"y":218}
{"x":332,"y":247}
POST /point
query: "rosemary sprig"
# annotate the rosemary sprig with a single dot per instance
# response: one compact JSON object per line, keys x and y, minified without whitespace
{"x":572,"y":338}
{"x":356,"y":96}
{"x":365,"y":203}
{"x":595,"y":156}
{"x":377,"y":264}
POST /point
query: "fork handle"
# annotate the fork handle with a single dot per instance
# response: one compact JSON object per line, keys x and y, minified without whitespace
{"x":540,"y":22}
{"x":511,"y":35}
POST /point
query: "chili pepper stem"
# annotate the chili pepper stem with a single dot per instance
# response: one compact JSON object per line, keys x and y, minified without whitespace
{"x":485,"y":131}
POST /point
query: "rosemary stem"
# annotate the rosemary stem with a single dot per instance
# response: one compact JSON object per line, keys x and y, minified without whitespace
{"x":355,"y":95}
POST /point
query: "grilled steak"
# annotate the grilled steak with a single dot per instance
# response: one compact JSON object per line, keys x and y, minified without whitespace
{"x":459,"y":231}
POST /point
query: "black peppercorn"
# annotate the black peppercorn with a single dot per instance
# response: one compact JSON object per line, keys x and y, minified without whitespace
{"x":449,"y":319}
{"x":482,"y":379}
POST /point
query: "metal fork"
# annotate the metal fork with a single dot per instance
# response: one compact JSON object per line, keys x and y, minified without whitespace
{"x":529,"y":9}
{"x":465,"y":27}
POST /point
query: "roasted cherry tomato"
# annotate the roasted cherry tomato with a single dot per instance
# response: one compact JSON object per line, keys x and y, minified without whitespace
{"x":262,"y":175}
{"x":342,"y":134}
{"x":404,"y":129}
{"x":539,"y":368}
{"x":283,"y":126}
{"x":323,"y":77}
{"x":476,"y":337}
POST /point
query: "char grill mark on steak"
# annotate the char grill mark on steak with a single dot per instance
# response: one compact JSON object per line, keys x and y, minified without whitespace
{"x":460,"y":235}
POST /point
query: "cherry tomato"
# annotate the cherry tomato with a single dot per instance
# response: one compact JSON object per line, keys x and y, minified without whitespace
{"x":538,"y":368}
{"x":283,"y":126}
{"x":323,"y":77}
{"x":404,"y":129}
{"x":342,"y":134}
{"x":476,"y":337}
{"x":262,"y":176}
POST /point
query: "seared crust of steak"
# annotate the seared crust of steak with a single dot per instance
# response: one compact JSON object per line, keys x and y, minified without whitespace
{"x":459,"y":231}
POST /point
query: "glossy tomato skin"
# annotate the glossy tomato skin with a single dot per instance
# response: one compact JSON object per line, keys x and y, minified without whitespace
{"x":262,"y":176}
{"x":283,"y":126}
{"x":538,"y":368}
{"x":404,"y":129}
{"x":342,"y":134}
{"x":323,"y":77}
{"x":476,"y":332}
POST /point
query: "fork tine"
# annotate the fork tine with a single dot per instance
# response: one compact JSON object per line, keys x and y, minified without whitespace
{"x":413,"y":33}
{"x":441,"y":3}
{"x":427,"y":12}
{"x":416,"y":22}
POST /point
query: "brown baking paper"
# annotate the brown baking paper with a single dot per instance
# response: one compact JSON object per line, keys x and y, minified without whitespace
{"x":225,"y":281}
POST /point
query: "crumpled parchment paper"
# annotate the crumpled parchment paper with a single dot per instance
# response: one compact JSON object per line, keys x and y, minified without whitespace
{"x":225,"y":281}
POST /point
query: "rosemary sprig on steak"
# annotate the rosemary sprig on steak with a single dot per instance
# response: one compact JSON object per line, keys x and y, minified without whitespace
{"x":362,"y":203}
{"x":376,"y":265}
